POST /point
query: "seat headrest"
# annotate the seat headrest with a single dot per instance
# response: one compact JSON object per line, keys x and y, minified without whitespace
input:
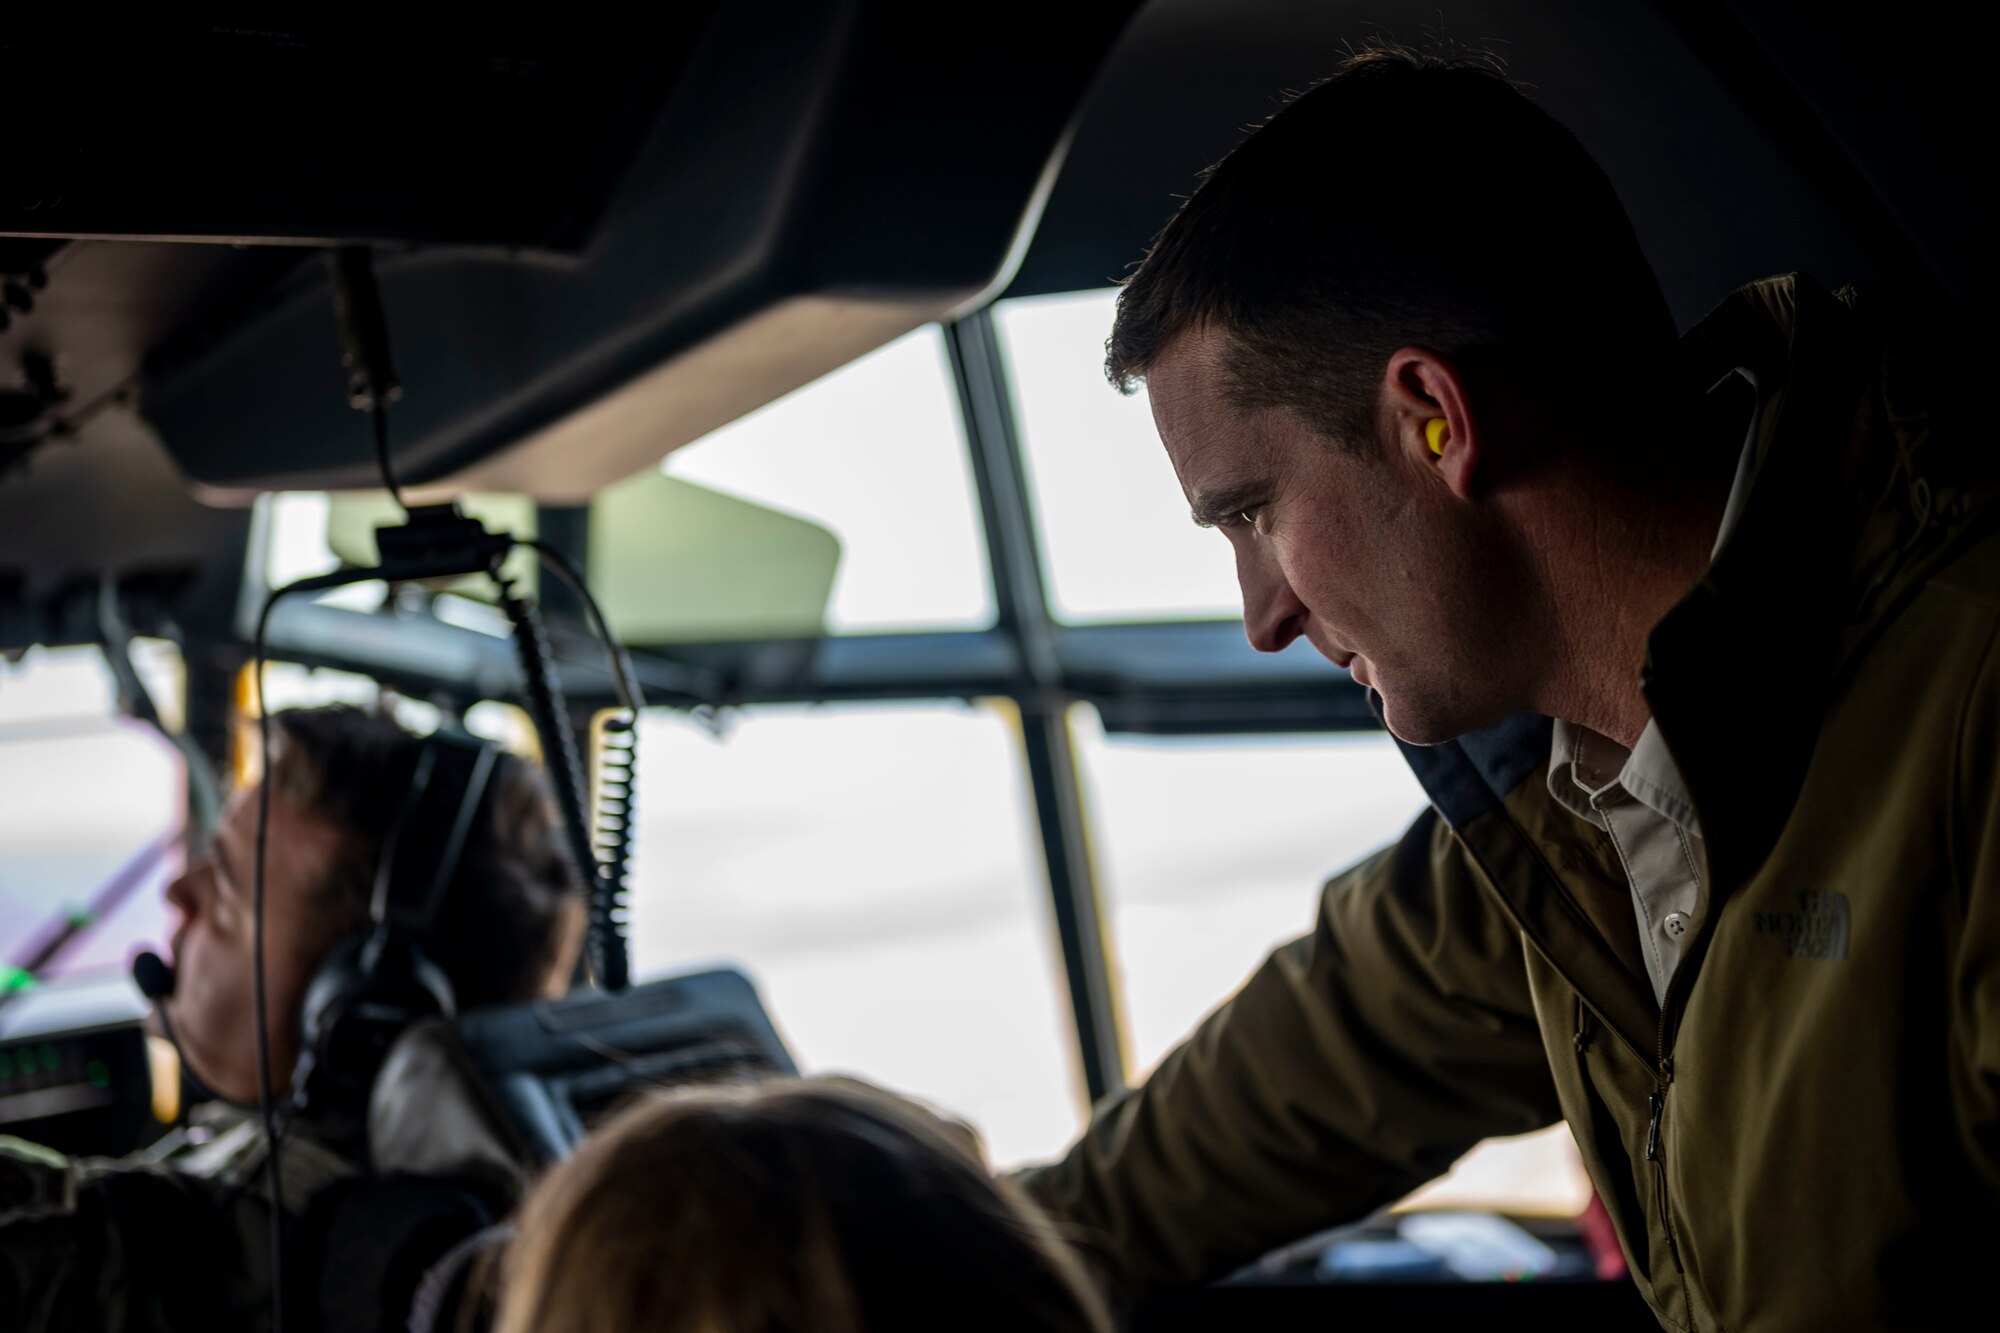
{"x":428,"y":1116}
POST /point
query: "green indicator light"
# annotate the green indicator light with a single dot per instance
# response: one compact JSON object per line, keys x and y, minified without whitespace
{"x":25,"y":1058}
{"x":6,"y":1065}
{"x":13,"y":979}
{"x":51,"y":1058}
{"x":96,"y":1072}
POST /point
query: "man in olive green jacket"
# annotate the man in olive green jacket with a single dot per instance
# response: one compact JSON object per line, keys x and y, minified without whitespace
{"x":1734,"y":913}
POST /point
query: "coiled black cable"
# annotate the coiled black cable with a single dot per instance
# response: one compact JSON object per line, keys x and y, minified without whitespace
{"x":617,"y":777}
{"x":617,"y":771}
{"x":605,"y":942}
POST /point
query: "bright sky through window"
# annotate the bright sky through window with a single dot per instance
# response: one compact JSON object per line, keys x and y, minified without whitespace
{"x":1116,"y":539}
{"x":85,"y":796}
{"x":874,"y":868}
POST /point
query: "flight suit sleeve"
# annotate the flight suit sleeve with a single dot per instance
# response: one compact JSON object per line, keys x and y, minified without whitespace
{"x":108,"y":1245}
{"x":1357,"y":1063}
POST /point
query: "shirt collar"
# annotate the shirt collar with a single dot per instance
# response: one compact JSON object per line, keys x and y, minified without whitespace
{"x":1587,"y":769}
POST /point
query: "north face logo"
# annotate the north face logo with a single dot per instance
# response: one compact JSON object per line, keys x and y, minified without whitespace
{"x":1817,"y":930}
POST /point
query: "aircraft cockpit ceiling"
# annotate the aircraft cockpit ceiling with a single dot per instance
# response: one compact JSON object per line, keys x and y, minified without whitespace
{"x":740,"y":196}
{"x":1747,"y":137}
{"x":594,"y":245}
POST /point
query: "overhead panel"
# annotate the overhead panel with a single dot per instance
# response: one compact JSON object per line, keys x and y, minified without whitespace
{"x":820,"y":178}
{"x":495,"y":127}
{"x":595,"y":241}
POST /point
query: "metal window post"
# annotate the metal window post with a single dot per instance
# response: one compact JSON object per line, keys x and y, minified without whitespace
{"x":979,"y":374}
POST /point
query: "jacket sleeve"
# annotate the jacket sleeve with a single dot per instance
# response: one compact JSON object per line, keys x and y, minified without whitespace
{"x":121,"y":1245}
{"x":1976,"y":981}
{"x":1355,"y":1064}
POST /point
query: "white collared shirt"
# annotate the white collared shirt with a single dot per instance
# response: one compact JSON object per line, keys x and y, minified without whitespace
{"x":1637,"y":797}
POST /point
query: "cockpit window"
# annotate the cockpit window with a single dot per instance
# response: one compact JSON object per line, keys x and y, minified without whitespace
{"x":1116,"y":543}
{"x":845,"y":507}
{"x":875,"y":454}
{"x":1193,"y":913}
{"x":875,"y":868}
{"x":94,"y":806}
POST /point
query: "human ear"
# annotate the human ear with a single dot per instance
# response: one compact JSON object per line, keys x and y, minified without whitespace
{"x":1425,"y":403}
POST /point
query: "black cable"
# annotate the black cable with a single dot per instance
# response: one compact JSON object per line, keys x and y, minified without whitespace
{"x":617,"y":805}
{"x":378,"y":411}
{"x":617,"y":779}
{"x":266,"y":1106}
{"x":621,"y":666}
{"x":543,"y":695}
{"x":372,"y":383}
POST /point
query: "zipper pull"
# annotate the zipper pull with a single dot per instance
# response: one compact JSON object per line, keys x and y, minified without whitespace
{"x":1656,"y":1103}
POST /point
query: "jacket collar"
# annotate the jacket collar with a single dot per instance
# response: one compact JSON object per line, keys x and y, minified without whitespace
{"x":1746,"y":651}
{"x":1850,"y":501}
{"x":1488,"y":786}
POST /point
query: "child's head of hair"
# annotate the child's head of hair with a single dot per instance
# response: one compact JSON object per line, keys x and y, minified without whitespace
{"x":794,"y":1206}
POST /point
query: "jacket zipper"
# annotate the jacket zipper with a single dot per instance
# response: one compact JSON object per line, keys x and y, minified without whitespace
{"x":1656,"y":1106}
{"x":1663,"y":1067}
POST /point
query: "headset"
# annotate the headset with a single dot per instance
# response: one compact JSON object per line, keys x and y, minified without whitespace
{"x":378,"y":980}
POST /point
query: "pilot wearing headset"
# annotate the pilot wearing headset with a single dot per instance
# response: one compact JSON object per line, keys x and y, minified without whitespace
{"x":491,"y":910}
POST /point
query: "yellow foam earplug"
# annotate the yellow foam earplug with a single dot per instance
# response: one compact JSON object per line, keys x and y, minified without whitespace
{"x":1434,"y":432}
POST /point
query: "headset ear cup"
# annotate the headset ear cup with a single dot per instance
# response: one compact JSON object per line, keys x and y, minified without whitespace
{"x":369,"y":988}
{"x":422,"y":990}
{"x":335,"y":983}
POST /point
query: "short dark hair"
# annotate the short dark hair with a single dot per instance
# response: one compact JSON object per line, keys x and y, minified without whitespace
{"x":1301,"y":246}
{"x":508,"y":919}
